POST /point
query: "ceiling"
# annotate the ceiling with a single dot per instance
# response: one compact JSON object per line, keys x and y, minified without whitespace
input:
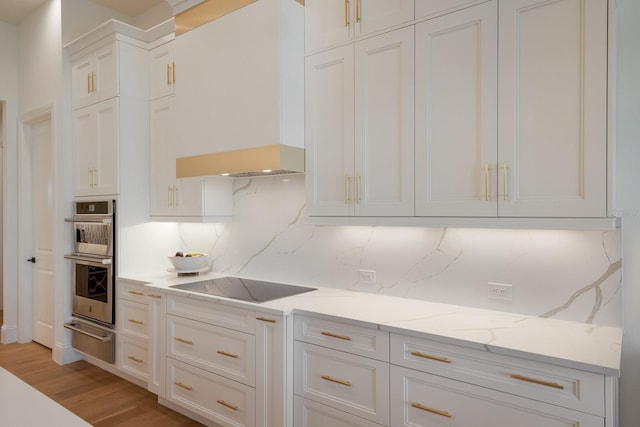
{"x":14,"y":11}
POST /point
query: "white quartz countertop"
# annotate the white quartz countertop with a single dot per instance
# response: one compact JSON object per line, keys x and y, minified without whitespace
{"x":571,"y":344}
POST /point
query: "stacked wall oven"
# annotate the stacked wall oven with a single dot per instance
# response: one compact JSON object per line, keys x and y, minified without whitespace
{"x":93,"y":278}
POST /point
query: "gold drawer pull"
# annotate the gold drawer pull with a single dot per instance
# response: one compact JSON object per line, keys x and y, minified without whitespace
{"x":334,"y":380}
{"x":224,"y":353}
{"x":154,"y":296}
{"x":137,"y":322}
{"x":182,"y":340}
{"x":186,"y":387}
{"x":535,"y":381}
{"x":135,"y":359}
{"x":228,"y":405}
{"x":433,"y":411}
{"x":264,"y":319}
{"x":430,"y":357}
{"x":136,"y":293}
{"x":332,"y":335}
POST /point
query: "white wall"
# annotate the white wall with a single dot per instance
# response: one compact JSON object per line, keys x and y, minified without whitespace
{"x":628,"y":195}
{"x":81,"y":16}
{"x":9,"y":94}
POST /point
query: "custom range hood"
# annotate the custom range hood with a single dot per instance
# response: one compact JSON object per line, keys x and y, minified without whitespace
{"x":239,"y":91}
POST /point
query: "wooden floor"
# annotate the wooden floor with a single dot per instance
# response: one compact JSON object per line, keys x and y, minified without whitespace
{"x":100,"y":398}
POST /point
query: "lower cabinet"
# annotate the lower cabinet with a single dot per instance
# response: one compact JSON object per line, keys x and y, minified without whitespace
{"x":421,"y":399}
{"x":313,"y":414}
{"x":226,"y":364}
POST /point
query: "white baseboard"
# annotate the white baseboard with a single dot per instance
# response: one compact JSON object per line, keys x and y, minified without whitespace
{"x":64,"y":354}
{"x":9,"y":334}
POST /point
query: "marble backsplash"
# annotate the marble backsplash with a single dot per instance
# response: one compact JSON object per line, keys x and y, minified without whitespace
{"x":570,"y":275}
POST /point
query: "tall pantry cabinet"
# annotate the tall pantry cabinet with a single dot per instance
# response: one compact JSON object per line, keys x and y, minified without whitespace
{"x":510,"y":110}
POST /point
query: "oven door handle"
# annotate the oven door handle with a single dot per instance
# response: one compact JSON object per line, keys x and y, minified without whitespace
{"x":73,"y":327}
{"x":106,"y":219}
{"x":104,"y":261}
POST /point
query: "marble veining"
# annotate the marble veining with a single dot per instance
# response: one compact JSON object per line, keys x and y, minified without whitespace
{"x":560,"y":274}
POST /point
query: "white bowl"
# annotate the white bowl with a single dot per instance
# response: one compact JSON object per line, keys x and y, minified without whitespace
{"x":197,"y":261}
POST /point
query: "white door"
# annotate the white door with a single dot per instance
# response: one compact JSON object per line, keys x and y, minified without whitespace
{"x":456,"y":113}
{"x":552,"y":136}
{"x":384,"y":115}
{"x":329,"y":132}
{"x":42,"y":212}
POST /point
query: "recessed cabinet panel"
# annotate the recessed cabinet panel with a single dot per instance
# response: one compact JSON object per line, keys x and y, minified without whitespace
{"x":384,"y":125}
{"x":327,"y":22}
{"x":308,"y":413}
{"x":329,"y":132}
{"x":552,"y":98}
{"x":456,"y":114}
{"x":420,"y":399}
{"x":162,"y":71}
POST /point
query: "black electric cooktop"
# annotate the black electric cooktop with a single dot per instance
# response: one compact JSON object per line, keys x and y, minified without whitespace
{"x":243,"y":289}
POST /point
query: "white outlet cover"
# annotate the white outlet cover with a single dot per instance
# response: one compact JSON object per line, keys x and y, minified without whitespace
{"x":500,"y":291}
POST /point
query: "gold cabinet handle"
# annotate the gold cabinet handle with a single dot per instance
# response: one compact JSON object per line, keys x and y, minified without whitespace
{"x":228,"y":405}
{"x":332,"y":335}
{"x":94,"y":181}
{"x":358,"y":198}
{"x":335,"y":380}
{"x":264,"y":319}
{"x":347,"y":196}
{"x":173,"y":72}
{"x":93,"y":82}
{"x":175,"y":196}
{"x":90,"y":177}
{"x":168,"y":74}
{"x":346,"y":13}
{"x":135,"y":359}
{"x":182,"y":340}
{"x":431,"y":410}
{"x":357,"y":11}
{"x":486,"y":182}
{"x":154,"y":296}
{"x":137,"y":322}
{"x":224,"y":353}
{"x":504,"y":180}
{"x":430,"y":357}
{"x":136,"y":293}
{"x":184,"y":386}
{"x":536,"y":381}
{"x":88,"y":83}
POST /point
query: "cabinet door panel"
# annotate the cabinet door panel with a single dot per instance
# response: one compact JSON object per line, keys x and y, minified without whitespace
{"x":308,"y":413}
{"x":162,"y":74}
{"x":327,"y":22}
{"x":81,"y":94}
{"x":456,"y":107}
{"x":329,"y":132}
{"x":106,"y":70}
{"x":375,"y":15}
{"x":420,"y":399}
{"x":162,"y":165}
{"x":384,"y":125}
{"x":84,"y":154}
{"x":106,"y":148}
{"x":553,"y":117}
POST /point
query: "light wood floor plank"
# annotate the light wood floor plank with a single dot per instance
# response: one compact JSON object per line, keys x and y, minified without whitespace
{"x":99,"y":397}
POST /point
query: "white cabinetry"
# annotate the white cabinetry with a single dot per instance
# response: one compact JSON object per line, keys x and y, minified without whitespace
{"x":139,"y":320}
{"x":552,"y":138}
{"x":110,"y":101}
{"x":226,"y":364}
{"x":329,"y":371}
{"x":194,"y":199}
{"x":95,"y":154}
{"x":434,"y":381}
{"x":330,"y":22}
{"x":359,"y":128}
{"x":456,"y":113}
{"x":162,"y":71}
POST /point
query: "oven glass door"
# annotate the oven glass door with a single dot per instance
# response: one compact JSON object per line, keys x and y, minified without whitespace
{"x":93,"y":290}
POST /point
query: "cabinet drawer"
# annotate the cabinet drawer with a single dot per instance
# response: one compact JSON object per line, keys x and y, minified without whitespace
{"x":420,"y":399}
{"x":134,"y":319}
{"x":340,"y":336}
{"x":134,"y":357}
{"x":570,"y":388}
{"x":211,"y":312}
{"x":308,"y":413}
{"x":212,"y":396}
{"x":131,"y":291}
{"x":354,"y":384}
{"x":220,"y":350}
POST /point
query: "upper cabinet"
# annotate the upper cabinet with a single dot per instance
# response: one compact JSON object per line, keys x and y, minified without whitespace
{"x":162,"y":71}
{"x":359,"y":128}
{"x":330,"y":22}
{"x":510,"y":111}
{"x":552,"y":108}
{"x":95,"y":76}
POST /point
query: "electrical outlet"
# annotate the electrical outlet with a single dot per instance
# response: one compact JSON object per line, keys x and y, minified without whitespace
{"x":501,"y":291}
{"x":367,"y":276}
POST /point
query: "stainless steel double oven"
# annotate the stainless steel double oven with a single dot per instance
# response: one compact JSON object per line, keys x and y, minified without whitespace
{"x":93,"y":260}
